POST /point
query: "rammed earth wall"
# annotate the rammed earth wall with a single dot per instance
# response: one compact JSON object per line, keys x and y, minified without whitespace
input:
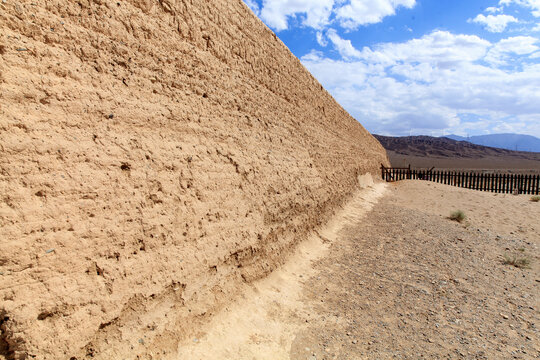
{"x":154,"y":155}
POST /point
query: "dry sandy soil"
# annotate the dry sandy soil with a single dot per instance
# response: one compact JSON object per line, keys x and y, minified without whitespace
{"x":392,"y":277}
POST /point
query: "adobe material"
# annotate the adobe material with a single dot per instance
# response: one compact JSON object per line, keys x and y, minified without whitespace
{"x":154,"y":155}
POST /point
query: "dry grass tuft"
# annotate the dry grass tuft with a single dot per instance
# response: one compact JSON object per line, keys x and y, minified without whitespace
{"x":535,"y":198}
{"x":458,"y":216}
{"x":522,"y":262}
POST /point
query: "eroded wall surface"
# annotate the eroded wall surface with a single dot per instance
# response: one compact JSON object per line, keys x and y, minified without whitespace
{"x":154,"y":155}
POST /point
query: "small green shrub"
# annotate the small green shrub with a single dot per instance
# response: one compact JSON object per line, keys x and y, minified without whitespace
{"x":457,"y":215}
{"x":522,"y":262}
{"x":535,"y":198}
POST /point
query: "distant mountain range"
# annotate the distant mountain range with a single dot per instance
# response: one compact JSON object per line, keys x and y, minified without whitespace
{"x":443,"y":147}
{"x":514,"y":142}
{"x":446,"y":153}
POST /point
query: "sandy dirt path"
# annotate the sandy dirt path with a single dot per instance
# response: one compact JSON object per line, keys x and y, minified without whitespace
{"x":392,"y":277}
{"x":263,"y":323}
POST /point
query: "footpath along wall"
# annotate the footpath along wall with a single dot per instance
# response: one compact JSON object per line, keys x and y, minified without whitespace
{"x":153,"y":156}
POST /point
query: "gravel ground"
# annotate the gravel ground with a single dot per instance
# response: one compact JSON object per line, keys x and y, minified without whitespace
{"x":409,"y":283}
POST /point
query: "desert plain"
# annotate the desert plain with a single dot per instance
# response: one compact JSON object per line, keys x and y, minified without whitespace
{"x":392,"y":277}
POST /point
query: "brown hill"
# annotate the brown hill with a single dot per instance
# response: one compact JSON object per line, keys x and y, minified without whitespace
{"x":427,"y":151}
{"x":154,"y":156}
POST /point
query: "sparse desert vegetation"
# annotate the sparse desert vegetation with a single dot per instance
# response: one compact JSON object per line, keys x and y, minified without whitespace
{"x":517,"y":260}
{"x":535,"y":198}
{"x":458,"y":216}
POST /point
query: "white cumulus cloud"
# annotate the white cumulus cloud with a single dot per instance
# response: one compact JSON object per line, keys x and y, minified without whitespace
{"x":534,"y":5}
{"x":439,"y":47}
{"x":321,"y":40}
{"x":319,"y":14}
{"x":344,"y":47}
{"x":428,"y":84}
{"x":493,"y":9}
{"x":363,"y":12}
{"x":495,"y":23}
{"x":315,"y":13}
{"x":505,"y":49}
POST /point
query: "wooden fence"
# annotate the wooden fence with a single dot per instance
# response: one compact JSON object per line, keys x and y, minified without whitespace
{"x":498,"y":183}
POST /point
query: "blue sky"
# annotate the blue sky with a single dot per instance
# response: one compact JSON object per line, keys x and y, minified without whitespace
{"x":431,"y":67}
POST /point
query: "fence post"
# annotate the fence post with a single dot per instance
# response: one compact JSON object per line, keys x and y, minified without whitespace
{"x":479,"y":182}
{"x":512,"y":183}
{"x":482,"y":181}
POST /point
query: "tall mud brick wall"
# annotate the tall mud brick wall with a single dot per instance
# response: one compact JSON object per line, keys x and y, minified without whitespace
{"x":154,"y":156}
